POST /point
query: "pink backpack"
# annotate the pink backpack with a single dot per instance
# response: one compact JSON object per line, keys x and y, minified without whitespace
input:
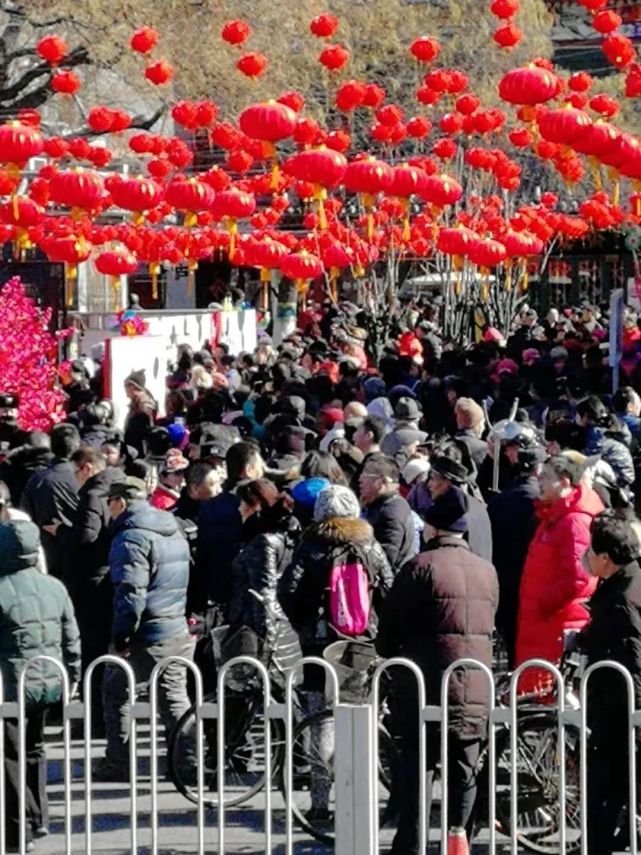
{"x":349,"y":597}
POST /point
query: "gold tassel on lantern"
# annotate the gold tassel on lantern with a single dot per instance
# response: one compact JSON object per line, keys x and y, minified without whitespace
{"x":115,"y":292}
{"x":320,"y":194}
{"x":525,"y":282}
{"x":192,"y":267}
{"x":138,"y":218}
{"x":406,"y":234}
{"x":232,"y":228}
{"x":71,"y":274}
{"x":485,"y":284}
{"x":191,"y":219}
{"x":154,"y":272}
{"x":301,"y":290}
{"x":458,"y":286}
{"x":508,"y":275}
{"x":333,"y":284}
{"x":368,"y":203}
{"x":265,"y":280}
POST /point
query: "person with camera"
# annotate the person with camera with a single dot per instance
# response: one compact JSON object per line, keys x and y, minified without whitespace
{"x":613,"y":634}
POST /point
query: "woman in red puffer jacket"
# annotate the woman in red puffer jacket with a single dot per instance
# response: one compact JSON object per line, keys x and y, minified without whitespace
{"x":555,"y":586}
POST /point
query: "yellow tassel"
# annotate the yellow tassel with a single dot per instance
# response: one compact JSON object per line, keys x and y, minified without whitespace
{"x":322,"y":216}
{"x":115,"y":293}
{"x":191,"y":219}
{"x":138,"y":218}
{"x":192,"y":267}
{"x":370,"y":226}
{"x":154,"y":270}
{"x":71,"y":271}
{"x":16,"y":208}
{"x":616,"y":193}
{"x":407,"y":234}
{"x":232,"y":228}
{"x":525,"y":282}
{"x":508,"y":275}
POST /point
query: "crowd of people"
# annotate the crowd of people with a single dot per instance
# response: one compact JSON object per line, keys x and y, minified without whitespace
{"x":486,"y":494}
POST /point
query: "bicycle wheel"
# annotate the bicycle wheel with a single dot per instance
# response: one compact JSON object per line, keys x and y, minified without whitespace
{"x":313,"y":794}
{"x":244,"y":751}
{"x":538,"y":766}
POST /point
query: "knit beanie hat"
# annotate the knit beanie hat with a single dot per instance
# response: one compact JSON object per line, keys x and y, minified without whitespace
{"x":470,"y":412}
{"x":137,"y":379}
{"x":306,"y":492}
{"x":336,"y":501}
{"x":448,"y":512}
{"x":19,"y":543}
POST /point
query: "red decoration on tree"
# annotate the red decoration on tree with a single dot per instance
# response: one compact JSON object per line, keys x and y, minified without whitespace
{"x":606,"y":21}
{"x":19,"y":143}
{"x":252,"y":65}
{"x":418,"y":127}
{"x":235,"y":32}
{"x":324,"y":26}
{"x":269,"y":121}
{"x":334,"y":57}
{"x":441,"y":190}
{"x":78,"y":189}
{"x":530,"y":85}
{"x":350,"y":95}
{"x":324,"y":166}
{"x":65,"y":82}
{"x":144,"y":40}
{"x":292,"y":99}
{"x":28,"y":354}
{"x":159,"y":73}
{"x":52,"y":49}
{"x":593,"y":5}
{"x":619,"y":50}
{"x":504,"y":9}
{"x":508,"y":36}
{"x":425,"y":49}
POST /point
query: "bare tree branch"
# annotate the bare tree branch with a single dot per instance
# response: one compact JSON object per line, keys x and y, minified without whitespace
{"x":8,"y":95}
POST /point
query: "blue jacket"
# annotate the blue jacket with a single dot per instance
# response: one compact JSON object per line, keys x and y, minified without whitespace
{"x":612,"y":448}
{"x":149,"y":566}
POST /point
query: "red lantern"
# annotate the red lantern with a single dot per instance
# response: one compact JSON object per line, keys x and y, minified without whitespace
{"x":252,"y":65}
{"x":159,"y":73}
{"x":185,"y":113}
{"x":269,"y":121}
{"x":374,"y":96}
{"x":134,"y":194}
{"x":451,"y":123}
{"x":580,"y":81}
{"x":368,"y":176}
{"x":189,"y":195}
{"x":234,"y":204}
{"x":78,"y":189}
{"x":322,"y":166}
{"x":426,"y":95}
{"x":339,"y":141}
{"x":235,"y":32}
{"x":467,"y":104}
{"x":100,"y":119}
{"x":418,"y":127}
{"x":531,"y":85}
{"x":521,"y":244}
{"x":22,"y":212}
{"x":292,"y":99}
{"x":65,"y":82}
{"x":54,"y":147}
{"x":508,"y":36}
{"x":144,"y":40}
{"x":633,"y":81}
{"x":486,"y":252}
{"x":52,"y":49}
{"x":350,"y":95}
{"x":334,"y":57}
{"x":619,"y":50}
{"x":239,"y":161}
{"x":425,"y":49}
{"x":19,"y":143}
{"x":455,"y":241}
{"x":116,"y":263}
{"x":324,"y":26}
{"x":306,"y":131}
{"x":445,"y":149}
{"x":301,"y":266}
{"x":606,"y":21}
{"x":225,"y":136}
{"x":593,"y":5}
{"x":441,"y":190}
{"x":407,"y":181}
{"x":521,"y":137}
{"x":604,"y":105}
{"x":564,"y":125}
{"x":504,"y":9}
{"x":69,"y":249}
{"x":206,"y":112}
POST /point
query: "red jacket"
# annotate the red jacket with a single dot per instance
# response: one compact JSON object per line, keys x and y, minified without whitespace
{"x":554,"y":585}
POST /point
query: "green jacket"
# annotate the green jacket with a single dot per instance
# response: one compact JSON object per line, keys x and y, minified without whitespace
{"x":36,"y":619}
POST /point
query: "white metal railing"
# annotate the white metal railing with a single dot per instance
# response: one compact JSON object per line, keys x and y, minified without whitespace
{"x":357,"y":731}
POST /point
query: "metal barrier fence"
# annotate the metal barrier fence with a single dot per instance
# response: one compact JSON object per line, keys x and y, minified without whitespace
{"x":535,"y":762}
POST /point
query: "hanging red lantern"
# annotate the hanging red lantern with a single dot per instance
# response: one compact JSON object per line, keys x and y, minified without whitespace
{"x":292,"y":99}
{"x":323,"y":166}
{"x":100,"y":119}
{"x":235,"y":32}
{"x":368,"y":176}
{"x":159,"y":73}
{"x":456,"y":242}
{"x":441,"y":190}
{"x":52,"y":49}
{"x":606,"y":21}
{"x":134,"y":194}
{"x":426,"y":95}
{"x":418,"y":127}
{"x":504,"y":9}
{"x":580,"y":81}
{"x":324,"y":26}
{"x":407,"y":181}
{"x":301,"y":267}
{"x":233,"y":205}
{"x":189,"y":195}
{"x":619,"y":50}
{"x":65,"y":82}
{"x":339,"y":141}
{"x":269,"y":121}
{"x":425,"y":49}
{"x":508,"y":36}
{"x":54,"y":147}
{"x":69,"y":249}
{"x":99,"y":156}
{"x":334,"y":57}
{"x":444,"y":149}
{"x":563,"y":126}
{"x":467,"y":104}
{"x":267,"y":255}
{"x":451,"y":123}
{"x":116,"y":263}
{"x":374,"y":96}
{"x":604,"y":105}
{"x":22,"y":212}
{"x":593,"y":5}
{"x":144,"y":40}
{"x":633,"y":81}
{"x":530,"y":85}
{"x":239,"y":161}
{"x":19,"y":143}
{"x":79,"y":189}
{"x":520,"y":137}
{"x":306,"y":131}
{"x":225,"y":136}
{"x":521,"y":244}
{"x":185,"y":113}
{"x":486,"y":252}
{"x":252,"y":65}
{"x":350,"y":95}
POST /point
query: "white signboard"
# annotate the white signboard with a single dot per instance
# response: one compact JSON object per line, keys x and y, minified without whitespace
{"x":124,"y":354}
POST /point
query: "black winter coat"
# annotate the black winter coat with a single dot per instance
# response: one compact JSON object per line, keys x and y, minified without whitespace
{"x":440,"y":609}
{"x":477,"y":447}
{"x":20,"y":465}
{"x":303,"y":587}
{"x":513,"y":525}
{"x":393,"y":525}
{"x":258,"y":567}
{"x":614,"y":632}
{"x":85,"y":544}
{"x":49,"y":496}
{"x":219,"y":533}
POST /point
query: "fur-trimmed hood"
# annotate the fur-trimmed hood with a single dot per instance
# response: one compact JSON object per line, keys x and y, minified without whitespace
{"x":337,"y":531}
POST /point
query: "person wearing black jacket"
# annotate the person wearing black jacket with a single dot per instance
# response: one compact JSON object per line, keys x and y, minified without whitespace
{"x":614,"y":633}
{"x":512,"y":514}
{"x":51,"y":496}
{"x":440,"y":609}
{"x":84,"y":544}
{"x":386,"y":510}
{"x":22,"y":462}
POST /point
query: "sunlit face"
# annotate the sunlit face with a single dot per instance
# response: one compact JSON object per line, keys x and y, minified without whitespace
{"x":370,"y":485}
{"x":112,"y":455}
{"x":550,"y":484}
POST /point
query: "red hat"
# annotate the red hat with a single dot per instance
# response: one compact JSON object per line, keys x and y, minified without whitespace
{"x":331,"y":369}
